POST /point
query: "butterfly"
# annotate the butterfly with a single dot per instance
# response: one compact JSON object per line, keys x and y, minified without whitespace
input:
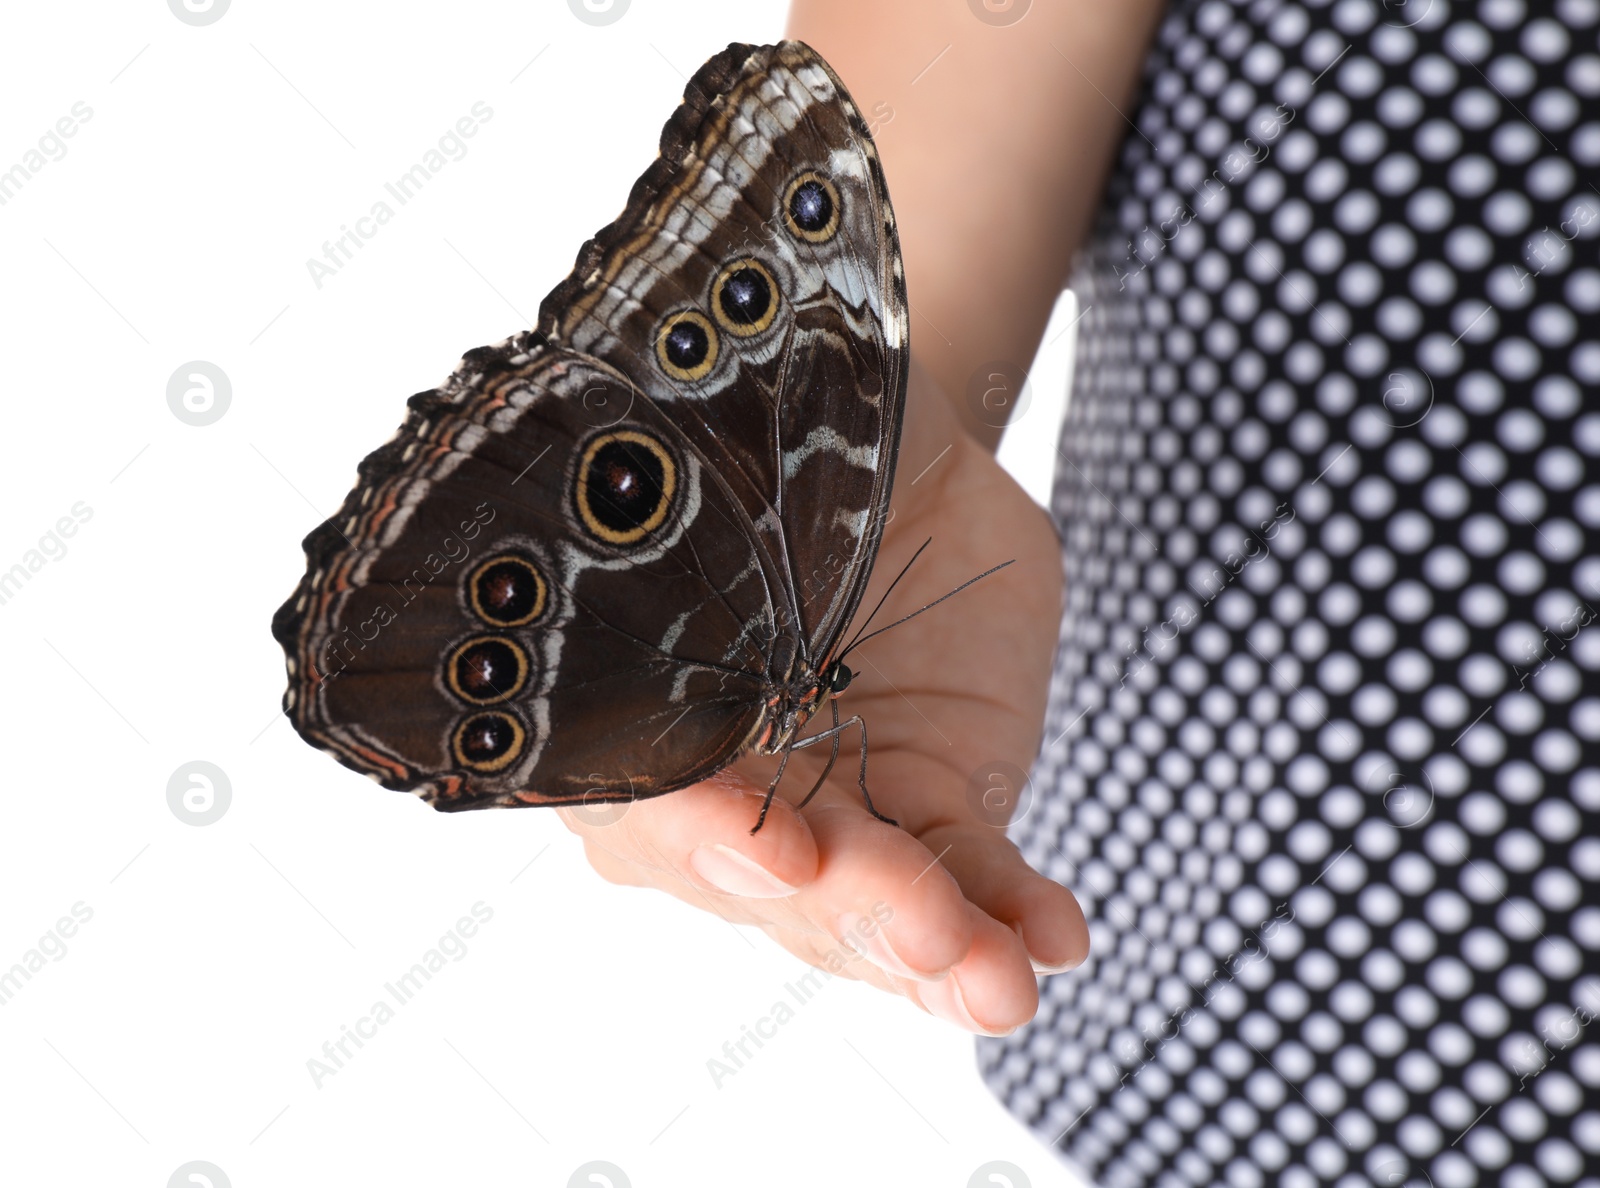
{"x":613,"y":553}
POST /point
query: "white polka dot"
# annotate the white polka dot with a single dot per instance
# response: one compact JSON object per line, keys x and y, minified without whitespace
{"x":1468,"y":248}
{"x":1471,"y":176}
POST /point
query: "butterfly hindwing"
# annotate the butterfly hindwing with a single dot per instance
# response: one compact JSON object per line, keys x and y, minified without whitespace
{"x":495,"y":602}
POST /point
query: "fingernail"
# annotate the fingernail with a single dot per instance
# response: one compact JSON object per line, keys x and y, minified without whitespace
{"x":1039,"y":967}
{"x":728,"y":870}
{"x":868,"y":940}
{"x":945,"y":1000}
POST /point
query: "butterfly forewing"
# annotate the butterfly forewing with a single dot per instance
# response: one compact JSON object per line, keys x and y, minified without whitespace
{"x":764,"y":229}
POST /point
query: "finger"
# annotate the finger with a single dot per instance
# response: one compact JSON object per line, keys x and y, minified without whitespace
{"x":992,"y":991}
{"x":701,"y":835}
{"x":733,"y":909}
{"x":879,"y":891}
{"x":809,"y":944}
{"x":837,"y":960}
{"x":622,"y":873}
{"x":994,"y":875}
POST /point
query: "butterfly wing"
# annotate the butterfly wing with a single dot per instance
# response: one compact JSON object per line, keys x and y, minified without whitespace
{"x":753,"y":289}
{"x":538,"y":594}
{"x":582,"y":565}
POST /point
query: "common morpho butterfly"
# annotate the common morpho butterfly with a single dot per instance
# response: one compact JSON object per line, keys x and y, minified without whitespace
{"x":613,"y":553}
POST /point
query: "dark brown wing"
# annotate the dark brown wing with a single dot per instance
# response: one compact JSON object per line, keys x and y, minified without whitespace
{"x":800,"y":407}
{"x":763,"y":240}
{"x":538,"y":594}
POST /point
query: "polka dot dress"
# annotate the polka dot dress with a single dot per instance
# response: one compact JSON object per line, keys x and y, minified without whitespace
{"x":1322,"y":761}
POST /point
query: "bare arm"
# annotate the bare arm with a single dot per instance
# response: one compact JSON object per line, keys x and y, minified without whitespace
{"x":996,"y":152}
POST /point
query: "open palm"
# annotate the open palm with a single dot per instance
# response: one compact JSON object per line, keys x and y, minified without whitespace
{"x":943,"y":909}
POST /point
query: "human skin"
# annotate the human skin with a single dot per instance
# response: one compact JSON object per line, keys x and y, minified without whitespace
{"x":994,"y":158}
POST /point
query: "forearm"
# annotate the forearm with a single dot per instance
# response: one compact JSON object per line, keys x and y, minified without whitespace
{"x":995,"y":154}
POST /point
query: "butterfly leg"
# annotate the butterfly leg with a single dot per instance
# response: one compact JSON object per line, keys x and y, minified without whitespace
{"x":772,"y":789}
{"x":815,"y":788}
{"x":832,"y":758}
{"x":834,"y":732}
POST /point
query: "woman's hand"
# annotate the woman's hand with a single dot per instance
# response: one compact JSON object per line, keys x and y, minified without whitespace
{"x":943,"y":909}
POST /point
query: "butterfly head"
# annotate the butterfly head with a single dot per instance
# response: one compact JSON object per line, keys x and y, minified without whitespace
{"x":837,"y":678}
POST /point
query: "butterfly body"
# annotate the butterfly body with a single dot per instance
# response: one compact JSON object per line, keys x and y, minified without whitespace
{"x":613,"y":553}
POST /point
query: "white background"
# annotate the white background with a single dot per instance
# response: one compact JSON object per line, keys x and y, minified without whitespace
{"x":219,"y":959}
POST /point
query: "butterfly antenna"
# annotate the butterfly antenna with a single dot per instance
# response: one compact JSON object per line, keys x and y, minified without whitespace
{"x":885,"y":597}
{"x":859,"y":640}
